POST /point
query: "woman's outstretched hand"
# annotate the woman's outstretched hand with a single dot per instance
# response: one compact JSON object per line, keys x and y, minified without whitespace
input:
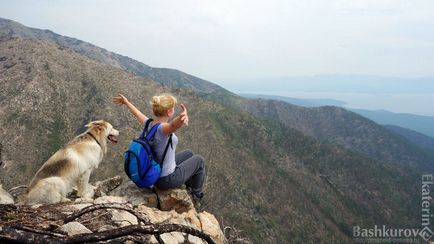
{"x":120,"y":99}
{"x":183,"y":115}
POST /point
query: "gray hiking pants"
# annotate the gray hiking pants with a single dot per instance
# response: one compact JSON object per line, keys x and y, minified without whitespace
{"x":190,"y":170}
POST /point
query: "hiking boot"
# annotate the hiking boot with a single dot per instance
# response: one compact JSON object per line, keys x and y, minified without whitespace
{"x":197,"y":198}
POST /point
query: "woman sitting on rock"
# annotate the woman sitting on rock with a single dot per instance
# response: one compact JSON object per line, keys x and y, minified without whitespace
{"x":180,"y":168}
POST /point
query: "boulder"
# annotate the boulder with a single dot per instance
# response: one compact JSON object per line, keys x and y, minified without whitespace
{"x":135,"y":195}
{"x":211,"y":226}
{"x":175,"y":199}
{"x":154,"y":215}
{"x":203,"y":221}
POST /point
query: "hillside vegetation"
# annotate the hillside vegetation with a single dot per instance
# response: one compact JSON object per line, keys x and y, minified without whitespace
{"x":264,"y":177}
{"x":327,"y":124}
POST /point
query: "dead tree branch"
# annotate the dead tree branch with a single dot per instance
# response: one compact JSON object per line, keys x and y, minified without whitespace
{"x":138,"y":229}
{"x":20,"y":234}
{"x":106,"y":206}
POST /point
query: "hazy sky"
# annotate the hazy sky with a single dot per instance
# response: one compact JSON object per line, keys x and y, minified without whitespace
{"x":235,"y":42}
{"x":223,"y":41}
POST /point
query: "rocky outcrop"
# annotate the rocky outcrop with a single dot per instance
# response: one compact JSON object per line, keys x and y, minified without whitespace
{"x":176,"y":199}
{"x":121,"y":213}
{"x":135,"y":195}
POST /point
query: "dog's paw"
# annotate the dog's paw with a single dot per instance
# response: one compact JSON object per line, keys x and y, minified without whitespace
{"x":89,"y":194}
{"x":65,"y":200}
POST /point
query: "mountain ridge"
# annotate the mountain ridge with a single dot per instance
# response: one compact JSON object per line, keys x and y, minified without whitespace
{"x":421,"y":123}
{"x":170,"y":77}
{"x":336,"y":125}
{"x":423,"y":141}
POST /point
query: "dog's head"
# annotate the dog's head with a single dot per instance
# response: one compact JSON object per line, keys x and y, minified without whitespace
{"x":103,"y":129}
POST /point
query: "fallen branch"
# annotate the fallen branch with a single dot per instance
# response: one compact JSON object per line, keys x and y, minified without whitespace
{"x":138,"y":229}
{"x":36,"y":231}
{"x":105,"y":206}
{"x":12,"y":235}
{"x":22,"y":234}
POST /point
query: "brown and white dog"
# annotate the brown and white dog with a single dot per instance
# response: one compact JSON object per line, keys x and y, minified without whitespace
{"x":72,"y":165}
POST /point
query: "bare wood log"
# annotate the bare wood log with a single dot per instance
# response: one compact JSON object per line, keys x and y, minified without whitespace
{"x":42,"y":232}
{"x":12,"y":235}
{"x":29,"y":235}
{"x":138,"y":229}
{"x":105,"y":206}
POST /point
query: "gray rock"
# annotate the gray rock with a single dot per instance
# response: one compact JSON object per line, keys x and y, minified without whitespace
{"x":173,"y":238}
{"x":123,"y":218}
{"x":135,"y":195}
{"x":74,"y":228}
{"x":195,"y":240}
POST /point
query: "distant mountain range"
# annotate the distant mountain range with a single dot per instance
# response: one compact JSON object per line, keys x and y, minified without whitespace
{"x":305,"y":102}
{"x":418,"y":123}
{"x":279,"y":172}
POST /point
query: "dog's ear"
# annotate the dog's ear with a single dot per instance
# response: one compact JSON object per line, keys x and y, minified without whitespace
{"x":98,"y":124}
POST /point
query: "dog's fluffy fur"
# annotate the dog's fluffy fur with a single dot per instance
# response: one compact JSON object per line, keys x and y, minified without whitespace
{"x":5,"y":197}
{"x":71,"y":166}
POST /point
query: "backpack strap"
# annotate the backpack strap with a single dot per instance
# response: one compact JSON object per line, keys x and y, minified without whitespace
{"x":148,"y":122}
{"x":169,"y":142}
{"x":152,"y":132}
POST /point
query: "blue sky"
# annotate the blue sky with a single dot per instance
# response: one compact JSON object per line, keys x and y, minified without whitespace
{"x":236,"y":41}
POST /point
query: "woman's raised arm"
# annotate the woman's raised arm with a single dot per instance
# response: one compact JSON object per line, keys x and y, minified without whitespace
{"x":176,"y":123}
{"x":121,"y":100}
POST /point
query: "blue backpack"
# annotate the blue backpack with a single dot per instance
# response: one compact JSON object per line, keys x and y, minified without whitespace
{"x":140,"y":162}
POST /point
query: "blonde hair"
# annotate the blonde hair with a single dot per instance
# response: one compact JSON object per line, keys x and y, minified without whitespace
{"x":160,"y":104}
